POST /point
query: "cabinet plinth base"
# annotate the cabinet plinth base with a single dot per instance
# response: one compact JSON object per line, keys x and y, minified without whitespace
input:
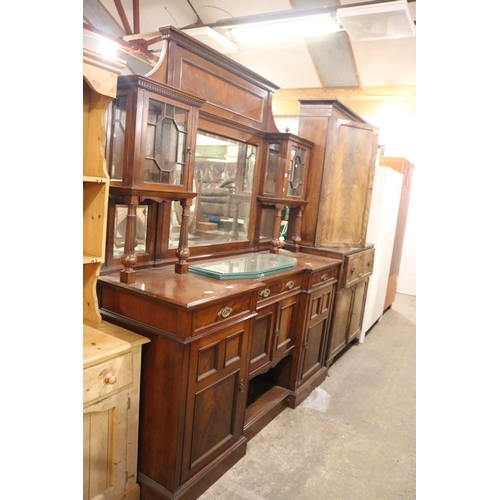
{"x":305,"y":389}
{"x":192,"y":489}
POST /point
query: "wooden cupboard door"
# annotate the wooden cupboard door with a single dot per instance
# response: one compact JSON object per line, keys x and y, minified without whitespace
{"x":338,"y":329}
{"x":262,"y":338}
{"x":105,"y":447}
{"x":346,"y":195}
{"x":286,"y":325}
{"x":358,"y":307}
{"x":216,"y":398}
{"x":319,"y":307}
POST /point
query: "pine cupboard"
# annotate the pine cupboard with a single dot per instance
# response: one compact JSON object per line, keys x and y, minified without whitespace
{"x":111,"y":355}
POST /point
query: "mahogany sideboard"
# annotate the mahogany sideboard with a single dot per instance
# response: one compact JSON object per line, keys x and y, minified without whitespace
{"x":225,"y":357}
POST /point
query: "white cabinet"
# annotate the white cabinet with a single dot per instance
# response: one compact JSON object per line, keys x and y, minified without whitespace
{"x":381,"y":231}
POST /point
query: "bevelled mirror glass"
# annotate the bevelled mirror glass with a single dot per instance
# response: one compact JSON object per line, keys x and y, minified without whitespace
{"x":141,"y":229}
{"x":223,"y":178}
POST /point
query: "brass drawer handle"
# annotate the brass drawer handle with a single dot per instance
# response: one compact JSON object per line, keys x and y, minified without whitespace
{"x":241,"y":388}
{"x":352,"y":270}
{"x":225,"y":312}
{"x":265,"y":293}
{"x":110,"y":379}
{"x":324,"y":277}
{"x":289,"y":285}
{"x":368,"y":263}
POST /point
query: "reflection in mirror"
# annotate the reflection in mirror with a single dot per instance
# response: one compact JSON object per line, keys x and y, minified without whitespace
{"x":223,"y":179}
{"x":267,"y":223}
{"x":116,"y":138}
{"x":141,"y":226}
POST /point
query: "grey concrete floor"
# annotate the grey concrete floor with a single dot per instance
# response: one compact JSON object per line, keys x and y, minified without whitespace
{"x":362,"y":447}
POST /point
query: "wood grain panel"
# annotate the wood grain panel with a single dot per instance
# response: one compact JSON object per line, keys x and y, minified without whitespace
{"x":234,"y":344}
{"x":347,"y":196}
{"x":222,"y":93}
{"x":338,"y":330}
{"x":213,"y":418}
{"x":288,"y":321}
{"x":104,"y":445}
{"x":208,"y":360}
{"x":261,"y":338}
{"x":312,"y":353}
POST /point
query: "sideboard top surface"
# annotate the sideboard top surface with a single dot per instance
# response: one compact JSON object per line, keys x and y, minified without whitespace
{"x":192,"y":290}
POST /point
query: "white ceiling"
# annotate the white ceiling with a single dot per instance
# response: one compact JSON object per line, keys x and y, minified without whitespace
{"x":367,"y":64}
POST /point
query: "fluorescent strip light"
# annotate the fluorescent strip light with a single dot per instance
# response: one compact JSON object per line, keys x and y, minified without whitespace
{"x":284,"y":30}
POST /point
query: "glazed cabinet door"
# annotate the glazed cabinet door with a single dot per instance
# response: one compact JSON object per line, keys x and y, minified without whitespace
{"x":318,"y":314}
{"x":216,"y":396}
{"x":105,"y":447}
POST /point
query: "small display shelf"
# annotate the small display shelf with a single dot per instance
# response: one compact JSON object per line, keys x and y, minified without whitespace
{"x":247,"y":266}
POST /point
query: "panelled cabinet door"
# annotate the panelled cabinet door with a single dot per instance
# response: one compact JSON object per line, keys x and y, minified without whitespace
{"x":104,"y":448}
{"x":286,"y":325}
{"x":274,"y":332}
{"x":216,"y":397}
{"x":318,"y":314}
{"x":340,"y":323}
{"x":358,"y":304}
{"x":262,"y":338}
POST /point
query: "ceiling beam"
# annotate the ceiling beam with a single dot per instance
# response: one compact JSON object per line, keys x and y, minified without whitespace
{"x":123,"y":17}
{"x":137,"y":18}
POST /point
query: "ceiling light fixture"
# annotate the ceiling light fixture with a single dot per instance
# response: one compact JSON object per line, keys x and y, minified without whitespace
{"x":211,"y":38}
{"x":284,"y":30}
{"x":381,"y":19}
{"x":377,"y":21}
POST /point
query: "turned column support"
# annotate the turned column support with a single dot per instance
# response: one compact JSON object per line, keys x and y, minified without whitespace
{"x":129,"y":259}
{"x":297,"y":227}
{"x":276,"y":243}
{"x":182,"y":252}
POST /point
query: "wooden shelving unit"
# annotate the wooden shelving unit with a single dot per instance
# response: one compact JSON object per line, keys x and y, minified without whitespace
{"x":111,"y":355}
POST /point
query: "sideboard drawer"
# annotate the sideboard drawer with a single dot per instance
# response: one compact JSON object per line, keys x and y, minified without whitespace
{"x":326,"y":275}
{"x":358,"y":266}
{"x":104,"y":378}
{"x":226,"y":309}
{"x":280,"y":286}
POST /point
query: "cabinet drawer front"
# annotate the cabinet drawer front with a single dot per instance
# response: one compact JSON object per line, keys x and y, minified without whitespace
{"x":358,"y":267}
{"x":221,"y":311}
{"x":107,"y":377}
{"x":321,"y":277}
{"x":274,"y":288}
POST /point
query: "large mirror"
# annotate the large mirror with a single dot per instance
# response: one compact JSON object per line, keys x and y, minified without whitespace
{"x":223,"y":179}
{"x":120,"y":227}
